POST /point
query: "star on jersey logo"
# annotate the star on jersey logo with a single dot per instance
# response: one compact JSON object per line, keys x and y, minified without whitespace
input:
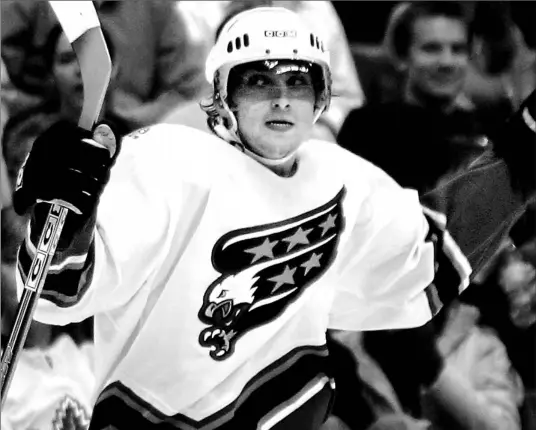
{"x":328,"y":224}
{"x":299,"y":237}
{"x":313,"y":262}
{"x":287,"y":277}
{"x":263,"y":250}
{"x":264,"y":269}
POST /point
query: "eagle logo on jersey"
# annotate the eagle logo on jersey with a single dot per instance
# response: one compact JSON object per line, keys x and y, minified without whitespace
{"x":263,"y":270}
{"x":70,"y":415}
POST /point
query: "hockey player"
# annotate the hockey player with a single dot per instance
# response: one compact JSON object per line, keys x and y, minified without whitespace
{"x":214,"y":264}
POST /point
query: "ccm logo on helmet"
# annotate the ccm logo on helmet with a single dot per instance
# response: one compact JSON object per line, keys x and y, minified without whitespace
{"x":280,"y":33}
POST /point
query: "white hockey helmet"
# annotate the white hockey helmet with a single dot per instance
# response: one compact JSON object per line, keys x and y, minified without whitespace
{"x":260,"y":34}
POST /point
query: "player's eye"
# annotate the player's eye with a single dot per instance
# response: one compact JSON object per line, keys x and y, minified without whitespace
{"x":297,"y":81}
{"x":257,"y":81}
{"x":222,"y":294}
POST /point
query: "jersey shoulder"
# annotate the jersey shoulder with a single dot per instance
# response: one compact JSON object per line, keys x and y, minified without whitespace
{"x":355,"y":169}
{"x":179,"y":152}
{"x":381,"y":199}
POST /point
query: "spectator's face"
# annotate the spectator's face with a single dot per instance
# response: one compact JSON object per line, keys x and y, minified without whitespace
{"x":518,"y":280}
{"x":275,"y":112}
{"x":68,"y":76}
{"x":438,"y":57}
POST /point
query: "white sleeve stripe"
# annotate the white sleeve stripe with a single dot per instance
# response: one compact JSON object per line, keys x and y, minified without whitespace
{"x":529,"y":120}
{"x":438,"y":217}
{"x":451,"y":249}
{"x":294,"y":403}
{"x":459,"y":261}
{"x":76,"y":262}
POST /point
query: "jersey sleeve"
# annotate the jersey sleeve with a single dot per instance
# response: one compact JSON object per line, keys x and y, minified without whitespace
{"x":389,"y":265}
{"x":134,"y":223}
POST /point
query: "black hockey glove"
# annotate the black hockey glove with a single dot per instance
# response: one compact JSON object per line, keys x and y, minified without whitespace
{"x":64,"y":166}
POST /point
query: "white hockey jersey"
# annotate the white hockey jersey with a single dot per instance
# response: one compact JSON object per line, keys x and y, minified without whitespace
{"x":215,"y":280}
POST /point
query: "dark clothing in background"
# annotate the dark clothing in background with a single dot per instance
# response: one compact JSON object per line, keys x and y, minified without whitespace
{"x":482,"y":189}
{"x":381,"y":81}
{"x":414,"y":145}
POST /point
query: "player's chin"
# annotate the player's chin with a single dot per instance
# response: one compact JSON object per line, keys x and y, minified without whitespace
{"x":280,"y":148}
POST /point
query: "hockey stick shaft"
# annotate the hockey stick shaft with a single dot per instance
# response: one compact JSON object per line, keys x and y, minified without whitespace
{"x":82,"y":28}
{"x":32,"y":290}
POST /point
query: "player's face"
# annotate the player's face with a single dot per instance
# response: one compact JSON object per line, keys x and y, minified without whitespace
{"x":438,"y":57}
{"x":275,"y":112}
{"x":68,"y":76}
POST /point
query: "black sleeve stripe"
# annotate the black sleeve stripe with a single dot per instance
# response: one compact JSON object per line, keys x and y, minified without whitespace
{"x":65,"y":288}
{"x":264,"y":397}
{"x":452,"y":269}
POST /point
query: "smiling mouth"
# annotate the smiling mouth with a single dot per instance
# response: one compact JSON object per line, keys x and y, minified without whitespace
{"x":447,"y":78}
{"x":279,"y":125}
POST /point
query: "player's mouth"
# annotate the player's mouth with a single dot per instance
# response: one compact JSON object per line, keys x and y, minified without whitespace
{"x":279,"y":124}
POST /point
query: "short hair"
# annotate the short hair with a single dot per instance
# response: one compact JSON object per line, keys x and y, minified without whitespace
{"x":399,"y":32}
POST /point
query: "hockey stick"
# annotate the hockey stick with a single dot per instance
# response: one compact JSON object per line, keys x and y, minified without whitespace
{"x":82,"y":27}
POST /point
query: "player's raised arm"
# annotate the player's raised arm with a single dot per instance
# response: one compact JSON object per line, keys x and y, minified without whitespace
{"x":413,"y":265}
{"x":63,"y":166}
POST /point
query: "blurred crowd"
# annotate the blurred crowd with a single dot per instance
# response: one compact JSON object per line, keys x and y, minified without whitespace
{"x":418,"y":89}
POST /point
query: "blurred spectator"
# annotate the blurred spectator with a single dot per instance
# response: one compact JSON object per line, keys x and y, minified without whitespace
{"x":206,"y":17}
{"x":65,"y":102}
{"x":382,"y":82}
{"x":381,"y":75}
{"x":481,"y":366}
{"x":433,"y":119}
{"x":52,"y":388}
{"x":507,"y":26}
{"x":506,"y":298}
{"x":433,"y":141}
{"x":365,"y":399}
{"x":158,"y":66}
{"x":503,"y":70}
